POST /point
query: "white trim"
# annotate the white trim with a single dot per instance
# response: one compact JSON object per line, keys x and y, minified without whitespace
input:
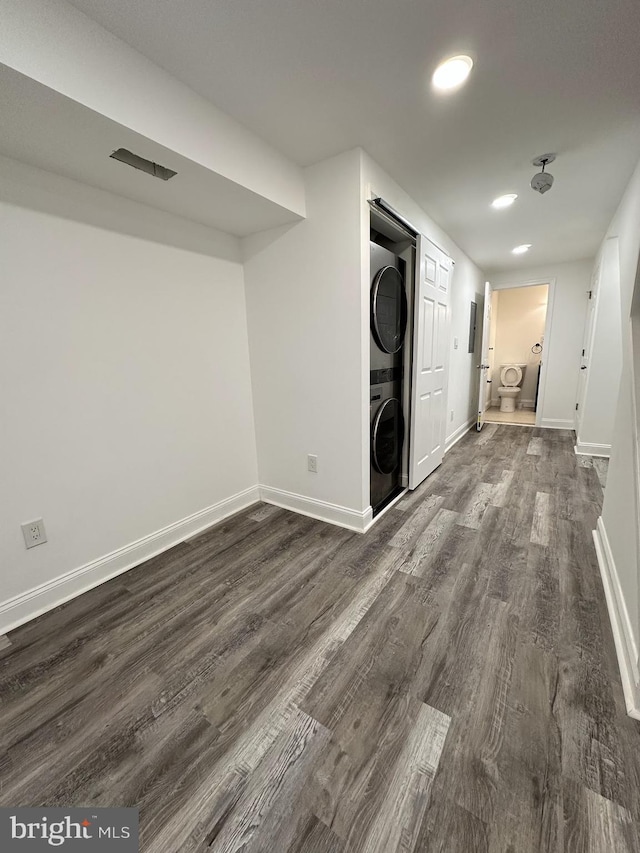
{"x":555,"y":423}
{"x":626,"y":648}
{"x":521,"y":404}
{"x":342,"y":516}
{"x":455,"y":437}
{"x":38,"y":600}
{"x":389,"y":506}
{"x":586,"y":449}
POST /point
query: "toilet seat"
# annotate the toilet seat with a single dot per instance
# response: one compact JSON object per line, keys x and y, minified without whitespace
{"x":511,"y":376}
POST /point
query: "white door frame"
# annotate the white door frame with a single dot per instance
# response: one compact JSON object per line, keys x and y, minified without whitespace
{"x":587,"y":345}
{"x":551,"y":281}
{"x":484,"y":355}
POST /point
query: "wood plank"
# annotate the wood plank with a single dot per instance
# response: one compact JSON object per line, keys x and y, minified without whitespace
{"x":594,"y":824}
{"x":399,"y":819}
{"x":265,"y":511}
{"x":486,"y":434}
{"x":469,"y":773}
{"x":472,"y":514}
{"x":529,"y":787}
{"x":313,"y":836}
{"x":502,"y":488}
{"x":428,"y":543}
{"x":535,"y":447}
{"x":541,"y":526}
{"x":266,"y":806}
{"x":415,"y":524}
{"x":447,"y":828}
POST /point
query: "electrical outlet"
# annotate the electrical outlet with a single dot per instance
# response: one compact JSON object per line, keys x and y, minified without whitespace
{"x":455,"y":343}
{"x":312,"y":463}
{"x":34,"y":533}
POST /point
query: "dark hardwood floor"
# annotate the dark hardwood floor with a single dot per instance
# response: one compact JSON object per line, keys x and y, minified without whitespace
{"x":446,"y":682}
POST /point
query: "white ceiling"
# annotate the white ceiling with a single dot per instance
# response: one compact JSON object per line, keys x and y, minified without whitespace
{"x":316,"y":78}
{"x":46,"y":129}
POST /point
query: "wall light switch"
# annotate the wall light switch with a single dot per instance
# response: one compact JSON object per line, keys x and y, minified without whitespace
{"x":455,"y":343}
{"x":34,"y":533}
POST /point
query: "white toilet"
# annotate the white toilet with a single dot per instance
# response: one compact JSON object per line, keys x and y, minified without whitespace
{"x":511,"y":376}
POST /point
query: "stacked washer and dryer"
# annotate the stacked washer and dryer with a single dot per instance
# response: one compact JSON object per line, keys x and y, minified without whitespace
{"x":389,"y":314}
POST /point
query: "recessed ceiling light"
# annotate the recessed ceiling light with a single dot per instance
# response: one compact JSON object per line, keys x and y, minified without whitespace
{"x":504,"y":201}
{"x":452,"y":73}
{"x":520,"y":250}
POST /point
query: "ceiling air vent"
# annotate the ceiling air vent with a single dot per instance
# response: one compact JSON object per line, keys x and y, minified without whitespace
{"x":147,"y":166}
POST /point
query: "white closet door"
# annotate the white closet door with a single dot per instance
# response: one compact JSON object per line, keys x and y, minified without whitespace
{"x":430,"y":360}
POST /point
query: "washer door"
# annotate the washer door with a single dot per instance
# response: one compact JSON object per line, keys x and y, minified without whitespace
{"x":387,"y":436}
{"x":388,"y":309}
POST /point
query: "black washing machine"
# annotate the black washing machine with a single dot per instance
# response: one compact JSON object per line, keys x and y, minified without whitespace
{"x":387,"y":436}
{"x":388,"y":328}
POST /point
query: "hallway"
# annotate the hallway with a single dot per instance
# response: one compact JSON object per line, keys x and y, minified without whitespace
{"x":446,"y":682}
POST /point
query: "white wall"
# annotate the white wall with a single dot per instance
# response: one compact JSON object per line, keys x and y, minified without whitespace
{"x":304,"y":310}
{"x":467,"y":286}
{"x":621,"y":510}
{"x":126,"y":398}
{"x":59,"y":46}
{"x":519,"y":318}
{"x":563,"y":347}
{"x":308,"y":312}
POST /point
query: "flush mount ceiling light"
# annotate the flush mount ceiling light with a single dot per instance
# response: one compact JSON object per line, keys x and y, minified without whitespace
{"x":520,"y":250}
{"x":504,"y":201}
{"x":542,"y":181}
{"x":452,"y":73}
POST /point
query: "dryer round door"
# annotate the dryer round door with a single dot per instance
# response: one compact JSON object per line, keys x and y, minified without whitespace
{"x":387,"y":436}
{"x":388,"y":309}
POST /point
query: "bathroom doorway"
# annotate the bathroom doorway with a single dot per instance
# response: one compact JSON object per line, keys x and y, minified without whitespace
{"x":516,"y":342}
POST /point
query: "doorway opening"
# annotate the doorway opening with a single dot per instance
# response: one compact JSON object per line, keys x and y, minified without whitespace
{"x":516,"y":342}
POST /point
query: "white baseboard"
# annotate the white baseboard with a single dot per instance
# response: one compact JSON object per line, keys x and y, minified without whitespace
{"x":626,"y":648}
{"x":556,"y":423}
{"x":522,"y":404}
{"x":382,"y":512}
{"x":458,"y":434}
{"x":586,"y":449}
{"x":38,"y":600}
{"x":342,"y":516}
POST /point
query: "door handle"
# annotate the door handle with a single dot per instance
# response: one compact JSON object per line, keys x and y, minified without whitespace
{"x":584,"y":367}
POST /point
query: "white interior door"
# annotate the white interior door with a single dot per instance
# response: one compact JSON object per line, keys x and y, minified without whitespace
{"x":586,"y":346}
{"x":430,"y":360}
{"x":484,"y":382}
